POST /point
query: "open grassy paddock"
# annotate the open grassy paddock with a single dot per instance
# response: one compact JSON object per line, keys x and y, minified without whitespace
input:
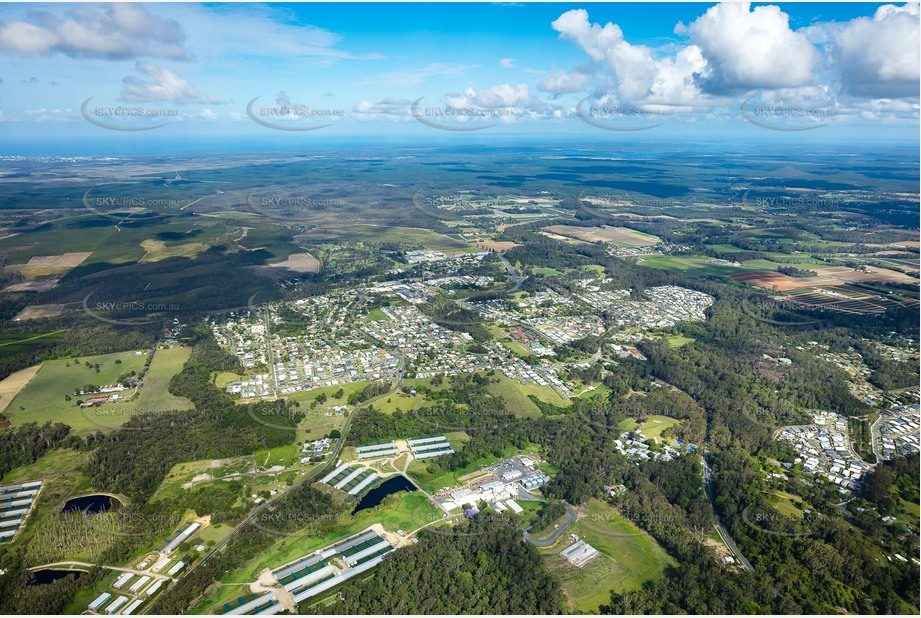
{"x":653,"y":426}
{"x":629,"y":558}
{"x":43,"y":398}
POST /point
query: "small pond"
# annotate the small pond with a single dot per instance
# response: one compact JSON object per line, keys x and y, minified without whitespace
{"x":96,"y":503}
{"x":388,"y":487}
{"x":47,"y":576}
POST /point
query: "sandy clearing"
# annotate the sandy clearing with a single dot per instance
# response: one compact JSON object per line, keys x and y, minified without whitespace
{"x":605,"y":234}
{"x":15,"y":382}
{"x":65,"y":260}
{"x":496,"y":245}
{"x":41,"y":285}
{"x":41,"y":311}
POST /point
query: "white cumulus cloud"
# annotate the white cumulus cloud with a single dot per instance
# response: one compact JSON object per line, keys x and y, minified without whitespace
{"x":746,"y":49}
{"x":155,"y":83}
{"x":113,"y":31}
{"x":502,"y":96}
{"x":879,"y":56}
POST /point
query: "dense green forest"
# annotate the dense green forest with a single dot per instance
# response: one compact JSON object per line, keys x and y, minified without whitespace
{"x":485,"y":568}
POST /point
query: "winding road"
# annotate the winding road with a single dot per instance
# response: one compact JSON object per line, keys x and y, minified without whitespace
{"x":550,"y":540}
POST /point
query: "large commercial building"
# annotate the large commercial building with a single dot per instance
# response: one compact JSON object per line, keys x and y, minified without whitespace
{"x":312,"y":575}
{"x":431,"y":446}
{"x":181,"y":537}
{"x":351,"y":480}
{"x":15,"y":505}
{"x":376,"y":450}
{"x":579,"y":553}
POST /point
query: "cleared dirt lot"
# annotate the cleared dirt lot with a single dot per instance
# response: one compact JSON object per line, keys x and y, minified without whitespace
{"x":495,"y":245}
{"x":620,"y":235}
{"x":833,"y":275}
{"x":50,"y":265}
{"x":43,"y":311}
{"x":65,"y":260}
{"x":41,"y":285}
{"x":300,"y":263}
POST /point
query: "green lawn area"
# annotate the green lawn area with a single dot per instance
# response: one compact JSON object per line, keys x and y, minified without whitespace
{"x":784,"y":504}
{"x":600,"y":390}
{"x":908,"y":513}
{"x":653,"y":427}
{"x":516,"y":396}
{"x":62,"y":473}
{"x":42,"y":399}
{"x":402,"y":401}
{"x":375,"y":315}
{"x":278,"y":456}
{"x":629,"y":557}
{"x":307,"y":397}
{"x":598,"y":268}
{"x":184,"y":472}
{"x":208,"y":471}
{"x":155,"y":395}
{"x":547,"y":272}
{"x":222,"y":379}
{"x":518,"y":348}
{"x":214,"y":534}
{"x":676,"y":341}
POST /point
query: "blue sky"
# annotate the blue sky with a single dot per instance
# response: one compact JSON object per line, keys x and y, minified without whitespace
{"x":846,"y":70}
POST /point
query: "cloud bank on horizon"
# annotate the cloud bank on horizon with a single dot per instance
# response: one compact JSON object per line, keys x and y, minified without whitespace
{"x":209,"y":61}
